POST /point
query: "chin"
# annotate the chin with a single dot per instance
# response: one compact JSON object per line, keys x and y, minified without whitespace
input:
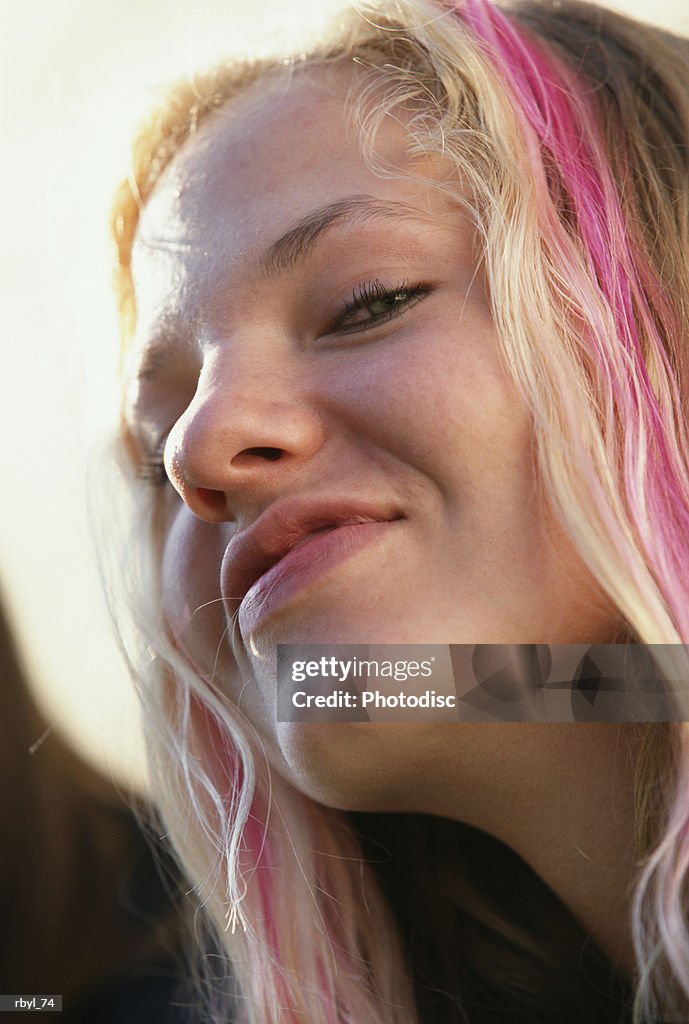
{"x":352,"y":766}
{"x":343,"y":627}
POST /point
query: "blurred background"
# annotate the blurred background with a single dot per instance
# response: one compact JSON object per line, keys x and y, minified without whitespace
{"x":76,"y":76}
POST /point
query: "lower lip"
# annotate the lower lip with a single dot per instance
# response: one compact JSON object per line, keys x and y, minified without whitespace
{"x":303,"y":567}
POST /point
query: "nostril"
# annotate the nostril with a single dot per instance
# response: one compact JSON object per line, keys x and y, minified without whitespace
{"x":212,"y":502}
{"x":269,"y":454}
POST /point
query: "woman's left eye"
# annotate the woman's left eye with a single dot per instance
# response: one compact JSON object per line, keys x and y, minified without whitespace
{"x":373,"y":303}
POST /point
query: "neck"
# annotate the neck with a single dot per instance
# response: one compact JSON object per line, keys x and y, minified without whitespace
{"x":562,"y":796}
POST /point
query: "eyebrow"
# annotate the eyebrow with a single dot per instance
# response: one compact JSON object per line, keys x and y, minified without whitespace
{"x":296,"y":243}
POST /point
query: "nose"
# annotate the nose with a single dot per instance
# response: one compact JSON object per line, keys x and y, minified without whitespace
{"x":249,"y":430}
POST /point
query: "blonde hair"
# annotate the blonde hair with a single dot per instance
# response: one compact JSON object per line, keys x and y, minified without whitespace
{"x":570,"y":127}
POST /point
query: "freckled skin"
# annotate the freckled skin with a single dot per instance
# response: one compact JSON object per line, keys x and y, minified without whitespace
{"x":415,"y":412}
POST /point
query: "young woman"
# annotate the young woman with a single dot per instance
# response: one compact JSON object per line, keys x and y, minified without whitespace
{"x":406,"y":362}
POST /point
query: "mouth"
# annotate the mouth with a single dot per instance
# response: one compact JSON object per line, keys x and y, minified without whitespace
{"x":289,"y":547}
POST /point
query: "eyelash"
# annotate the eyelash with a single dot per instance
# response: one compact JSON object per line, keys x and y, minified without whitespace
{"x":404,"y":294}
{"x":151,"y":469}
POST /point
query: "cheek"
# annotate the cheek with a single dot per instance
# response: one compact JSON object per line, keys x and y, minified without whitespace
{"x":190,"y":583}
{"x":447,"y":409}
{"x":195,"y":611}
{"x":439,"y":392}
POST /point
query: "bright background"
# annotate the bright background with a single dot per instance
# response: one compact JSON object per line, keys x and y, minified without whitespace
{"x":75,"y":75}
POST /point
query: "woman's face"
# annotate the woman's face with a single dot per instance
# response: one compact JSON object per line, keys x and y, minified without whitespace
{"x":348,"y":461}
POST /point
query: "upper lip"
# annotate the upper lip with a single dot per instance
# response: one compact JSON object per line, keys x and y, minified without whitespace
{"x":282,"y":527}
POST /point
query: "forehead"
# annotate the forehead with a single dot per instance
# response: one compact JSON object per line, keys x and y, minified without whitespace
{"x":281,"y":150}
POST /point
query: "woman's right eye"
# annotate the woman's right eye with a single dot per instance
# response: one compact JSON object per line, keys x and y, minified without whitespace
{"x":151,"y":468}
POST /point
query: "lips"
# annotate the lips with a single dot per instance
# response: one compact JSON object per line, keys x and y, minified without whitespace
{"x":292,"y":544}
